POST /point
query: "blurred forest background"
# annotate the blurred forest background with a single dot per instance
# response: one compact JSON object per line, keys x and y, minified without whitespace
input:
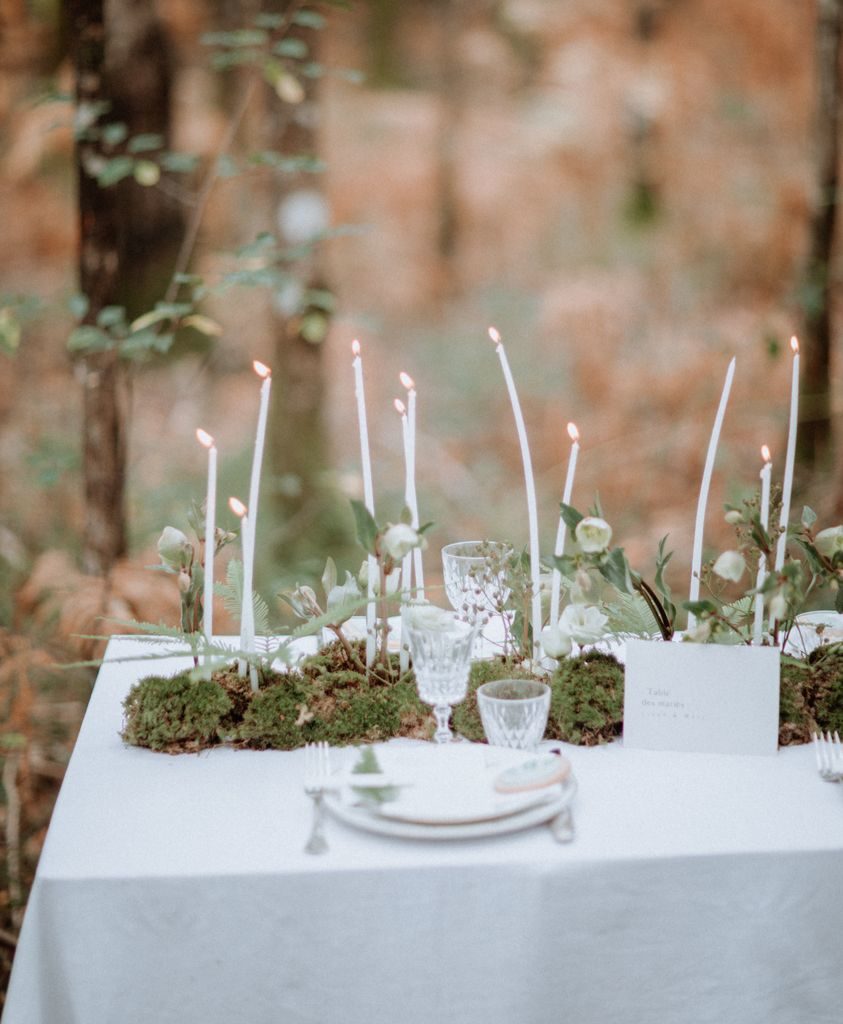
{"x":632,"y":191}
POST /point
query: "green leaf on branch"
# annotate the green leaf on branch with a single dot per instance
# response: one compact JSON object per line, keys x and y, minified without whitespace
{"x":809,"y":517}
{"x":179,"y":163}
{"x":78,"y":305}
{"x":115,"y":170}
{"x":111,"y":316}
{"x":615,"y":570}
{"x":231,"y":593}
{"x":145,"y":142}
{"x":367,"y":528}
{"x":699,"y":608}
{"x":295,"y":48}
{"x":309,"y":19}
{"x":89,"y":339}
{"x":570,"y":516}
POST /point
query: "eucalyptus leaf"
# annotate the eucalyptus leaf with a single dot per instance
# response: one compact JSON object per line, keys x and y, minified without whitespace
{"x":570,"y":516}
{"x":809,"y":517}
{"x":367,"y":528}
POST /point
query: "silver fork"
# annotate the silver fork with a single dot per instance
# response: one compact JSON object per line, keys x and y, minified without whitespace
{"x":829,"y":753}
{"x":317,"y":770}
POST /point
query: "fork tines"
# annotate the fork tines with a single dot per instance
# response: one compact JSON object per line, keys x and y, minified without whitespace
{"x":828,"y":751}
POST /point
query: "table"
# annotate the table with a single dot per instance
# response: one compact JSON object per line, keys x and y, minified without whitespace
{"x":700,"y":890}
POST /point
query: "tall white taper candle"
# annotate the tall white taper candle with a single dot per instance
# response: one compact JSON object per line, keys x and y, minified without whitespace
{"x":562,"y":530}
{"x":790,"y":456}
{"x":265,"y":374}
{"x":413,"y":500}
{"x":368,"y":496}
{"x":247,"y":634}
{"x":764,"y":515}
{"x":207,"y":441}
{"x":530,"y":487}
{"x":702,"y":502}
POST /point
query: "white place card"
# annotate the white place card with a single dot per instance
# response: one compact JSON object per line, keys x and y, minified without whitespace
{"x":706,"y":698}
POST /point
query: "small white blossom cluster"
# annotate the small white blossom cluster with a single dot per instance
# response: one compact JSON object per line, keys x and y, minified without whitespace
{"x":580,"y":622}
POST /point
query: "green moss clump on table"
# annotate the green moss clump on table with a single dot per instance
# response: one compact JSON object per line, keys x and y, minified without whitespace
{"x":586,"y":699}
{"x":174,"y":713}
{"x":811,"y":695}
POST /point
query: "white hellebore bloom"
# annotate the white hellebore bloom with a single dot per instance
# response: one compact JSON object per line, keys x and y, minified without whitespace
{"x":730,"y":565}
{"x":593,"y":534}
{"x":400,"y":539}
{"x":583,"y":623}
{"x":343,"y":595}
{"x":556,"y":642}
{"x":830,"y":541}
{"x":393,"y":580}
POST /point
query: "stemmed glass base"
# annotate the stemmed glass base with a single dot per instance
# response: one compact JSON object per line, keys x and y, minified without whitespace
{"x":443,"y":734}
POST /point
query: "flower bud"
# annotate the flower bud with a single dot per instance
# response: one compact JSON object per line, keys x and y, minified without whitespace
{"x":730,"y":565}
{"x":174,"y":549}
{"x":399,"y":540}
{"x":184,"y":581}
{"x":778,"y":606}
{"x":733,"y":517}
{"x":555,"y":642}
{"x":593,"y":534}
{"x":830,"y":541}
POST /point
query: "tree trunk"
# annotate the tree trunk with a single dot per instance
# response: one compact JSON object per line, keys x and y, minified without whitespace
{"x":104,"y":447}
{"x":815,"y":431}
{"x":299,"y":447}
{"x":127,"y":234}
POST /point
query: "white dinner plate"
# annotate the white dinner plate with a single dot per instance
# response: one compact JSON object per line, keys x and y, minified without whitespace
{"x":448,"y":786}
{"x":555,"y":800}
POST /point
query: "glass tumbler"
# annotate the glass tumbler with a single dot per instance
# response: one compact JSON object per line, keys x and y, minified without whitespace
{"x":514,"y":712}
{"x":441,"y":662}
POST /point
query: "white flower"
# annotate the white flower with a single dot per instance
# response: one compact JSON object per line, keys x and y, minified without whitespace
{"x":556,"y":643}
{"x":830,"y":541}
{"x":733,"y":517}
{"x":393,"y":580}
{"x":593,"y":534}
{"x":399,"y":540}
{"x":175,"y":549}
{"x":428,"y":616}
{"x":730,"y":565}
{"x":583,"y":623}
{"x":338,"y":596}
{"x":778,"y":606}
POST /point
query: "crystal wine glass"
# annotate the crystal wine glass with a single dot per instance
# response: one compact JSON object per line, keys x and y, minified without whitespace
{"x":475,"y":579}
{"x":441,"y":651}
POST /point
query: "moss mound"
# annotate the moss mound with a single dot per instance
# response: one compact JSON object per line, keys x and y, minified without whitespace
{"x":174,"y":713}
{"x":341,"y":708}
{"x":586,"y":700}
{"x":328,"y":698}
{"x":811,"y":695}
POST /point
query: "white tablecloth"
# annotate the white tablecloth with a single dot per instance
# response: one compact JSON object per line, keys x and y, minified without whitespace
{"x":172,"y":890}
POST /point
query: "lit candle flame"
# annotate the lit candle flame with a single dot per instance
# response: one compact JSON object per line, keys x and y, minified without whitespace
{"x":261,"y":369}
{"x":494,"y":334}
{"x":794,"y":344}
{"x":765,"y":453}
{"x":237,"y":507}
{"x":355,"y":348}
{"x":406,"y":380}
{"x":573,"y":433}
{"x":400,"y":408}
{"x":204,"y":438}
